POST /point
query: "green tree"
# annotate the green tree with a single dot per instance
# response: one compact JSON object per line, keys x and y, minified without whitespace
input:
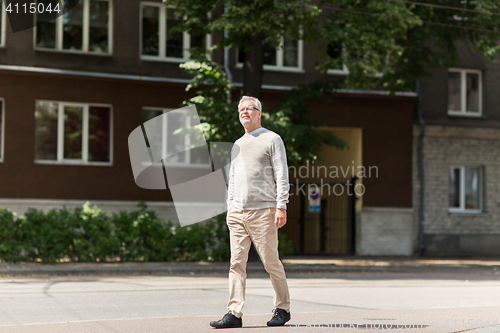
{"x":252,"y":25}
{"x":399,"y":39}
{"x":220,"y":122}
{"x":384,"y":43}
{"x":403,"y":39}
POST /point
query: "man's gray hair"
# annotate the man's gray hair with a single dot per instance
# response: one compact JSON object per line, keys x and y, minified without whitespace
{"x":258,"y":104}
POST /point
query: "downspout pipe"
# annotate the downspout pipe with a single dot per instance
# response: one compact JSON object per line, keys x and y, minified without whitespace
{"x":226,"y":61}
{"x":421,"y":173}
{"x":230,"y":80}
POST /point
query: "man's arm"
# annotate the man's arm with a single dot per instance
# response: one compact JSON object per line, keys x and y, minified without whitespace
{"x":280,"y":218}
{"x":280,"y":168}
{"x":230,"y":186}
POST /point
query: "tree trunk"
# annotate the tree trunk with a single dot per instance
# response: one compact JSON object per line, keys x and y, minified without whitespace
{"x":252,"y":66}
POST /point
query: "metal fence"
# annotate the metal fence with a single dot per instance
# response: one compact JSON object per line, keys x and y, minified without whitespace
{"x":332,"y":230}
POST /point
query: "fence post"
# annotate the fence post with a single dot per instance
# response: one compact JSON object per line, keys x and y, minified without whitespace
{"x":302,"y":223}
{"x":353,"y":215}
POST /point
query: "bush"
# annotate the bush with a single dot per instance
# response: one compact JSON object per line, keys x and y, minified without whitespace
{"x":208,"y":241}
{"x":88,"y":234}
{"x":285,"y":247}
{"x":46,"y":237}
{"x":93,"y":236}
{"x":10,"y":242}
{"x":219,"y":242}
{"x":142,"y":236}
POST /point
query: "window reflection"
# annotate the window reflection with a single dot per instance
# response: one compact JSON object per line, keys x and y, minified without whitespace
{"x":46,"y":131}
{"x":98,"y":26}
{"x":472,"y":92}
{"x":175,"y":39}
{"x":73,"y":28}
{"x":99,"y":134}
{"x":454,"y":101}
{"x":150,"y":30}
{"x":290,"y":53}
{"x":73,"y":132}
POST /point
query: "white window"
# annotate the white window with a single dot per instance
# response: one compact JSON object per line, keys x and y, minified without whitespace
{"x":334,"y":51}
{"x":73,"y":133}
{"x":175,"y":136}
{"x":86,"y":28}
{"x":3,"y":23}
{"x":1,"y":129}
{"x":288,"y":56}
{"x":160,"y":41}
{"x":464,"y":92}
{"x":465,"y":189}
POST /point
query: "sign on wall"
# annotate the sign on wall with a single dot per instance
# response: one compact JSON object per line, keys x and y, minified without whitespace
{"x":314,"y":200}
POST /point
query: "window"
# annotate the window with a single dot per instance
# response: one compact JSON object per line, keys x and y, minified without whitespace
{"x":86,"y":28}
{"x":1,"y":129}
{"x":3,"y":23}
{"x":465,"y":189}
{"x":286,"y":57}
{"x":72,"y":133}
{"x":464,"y":92}
{"x":334,"y":51}
{"x":175,"y":136}
{"x":160,"y":41}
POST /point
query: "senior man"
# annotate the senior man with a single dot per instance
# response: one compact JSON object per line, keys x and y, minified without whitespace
{"x":257,"y":198}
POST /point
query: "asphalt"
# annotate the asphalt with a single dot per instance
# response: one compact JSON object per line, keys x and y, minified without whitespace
{"x":451,"y":320}
{"x":293,"y":265}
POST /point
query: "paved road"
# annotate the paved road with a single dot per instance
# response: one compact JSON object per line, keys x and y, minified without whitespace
{"x":187,"y":303}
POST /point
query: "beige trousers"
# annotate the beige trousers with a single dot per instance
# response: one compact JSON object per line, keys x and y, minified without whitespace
{"x":257,"y":226}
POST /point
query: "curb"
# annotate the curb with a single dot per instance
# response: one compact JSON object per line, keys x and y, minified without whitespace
{"x":326,"y":266}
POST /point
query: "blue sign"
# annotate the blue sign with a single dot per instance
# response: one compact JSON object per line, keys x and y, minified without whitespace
{"x":314,"y":200}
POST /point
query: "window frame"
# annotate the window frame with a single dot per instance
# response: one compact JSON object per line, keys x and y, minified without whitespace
{"x":85,"y":134}
{"x":343,"y":71}
{"x":279,"y":59}
{"x":85,"y":36}
{"x":463,"y":92}
{"x":463,"y":190}
{"x":186,"y":164}
{"x":2,"y":128}
{"x":3,"y":26}
{"x":186,"y":37}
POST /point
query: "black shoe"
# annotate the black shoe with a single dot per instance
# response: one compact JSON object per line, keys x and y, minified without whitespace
{"x":280,"y":317}
{"x":228,"y":321}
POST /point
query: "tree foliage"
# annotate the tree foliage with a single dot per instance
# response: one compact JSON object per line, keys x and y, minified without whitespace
{"x":403,"y":39}
{"x":382,"y":42}
{"x":252,"y":25}
{"x":220,"y":120}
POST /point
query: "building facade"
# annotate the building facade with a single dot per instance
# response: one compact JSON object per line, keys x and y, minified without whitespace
{"x":73,"y":89}
{"x":460,"y":158}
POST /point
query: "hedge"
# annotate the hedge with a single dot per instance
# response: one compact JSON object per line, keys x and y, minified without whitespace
{"x":87,"y":234}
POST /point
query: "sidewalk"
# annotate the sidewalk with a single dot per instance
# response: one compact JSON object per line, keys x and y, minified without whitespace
{"x":294,"y":265}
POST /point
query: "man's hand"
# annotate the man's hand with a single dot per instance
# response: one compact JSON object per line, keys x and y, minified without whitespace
{"x":280,"y":218}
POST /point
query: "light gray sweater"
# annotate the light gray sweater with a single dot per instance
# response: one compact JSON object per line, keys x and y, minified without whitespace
{"x":258,"y":176}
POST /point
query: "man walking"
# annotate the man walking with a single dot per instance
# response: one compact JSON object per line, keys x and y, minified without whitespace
{"x":257,"y":198}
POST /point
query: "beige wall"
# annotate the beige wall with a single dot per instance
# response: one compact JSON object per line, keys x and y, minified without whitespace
{"x":329,"y":231}
{"x":349,"y":160}
{"x":386,"y":231}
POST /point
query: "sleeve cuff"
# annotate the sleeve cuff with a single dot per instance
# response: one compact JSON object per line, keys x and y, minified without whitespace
{"x":281,"y":206}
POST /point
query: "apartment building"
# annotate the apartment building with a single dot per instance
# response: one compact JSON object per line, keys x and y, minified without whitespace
{"x":460,"y":158}
{"x":73,"y":89}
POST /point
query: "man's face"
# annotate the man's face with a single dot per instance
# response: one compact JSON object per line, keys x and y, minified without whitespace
{"x":249,"y":119}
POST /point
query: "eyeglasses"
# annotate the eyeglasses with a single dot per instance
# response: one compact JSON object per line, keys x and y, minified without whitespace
{"x":250,"y":108}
